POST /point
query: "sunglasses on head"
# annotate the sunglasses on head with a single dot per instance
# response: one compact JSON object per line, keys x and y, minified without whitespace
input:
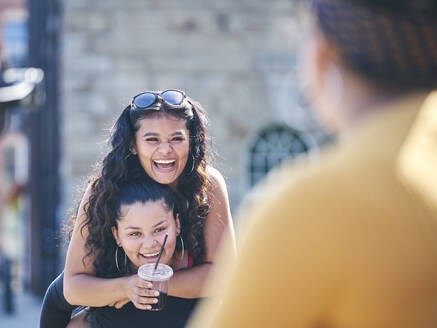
{"x":147,"y":99}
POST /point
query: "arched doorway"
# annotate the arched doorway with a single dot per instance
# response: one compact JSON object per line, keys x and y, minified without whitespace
{"x":274,"y":144}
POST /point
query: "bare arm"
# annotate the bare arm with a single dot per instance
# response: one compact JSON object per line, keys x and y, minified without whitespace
{"x":189,"y":283}
{"x":81,"y":287}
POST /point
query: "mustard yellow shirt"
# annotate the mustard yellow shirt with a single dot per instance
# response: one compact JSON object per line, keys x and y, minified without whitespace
{"x":348,"y":243}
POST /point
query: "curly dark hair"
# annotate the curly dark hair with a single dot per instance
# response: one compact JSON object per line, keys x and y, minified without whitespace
{"x":120,"y":166}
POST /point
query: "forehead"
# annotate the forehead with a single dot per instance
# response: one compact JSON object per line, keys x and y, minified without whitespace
{"x":144,"y":214}
{"x":162,"y":123}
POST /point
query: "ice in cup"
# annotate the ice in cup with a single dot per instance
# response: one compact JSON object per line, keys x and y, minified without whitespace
{"x":159,"y":278}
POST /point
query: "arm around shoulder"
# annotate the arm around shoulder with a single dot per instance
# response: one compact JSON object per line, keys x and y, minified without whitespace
{"x":218,"y":232}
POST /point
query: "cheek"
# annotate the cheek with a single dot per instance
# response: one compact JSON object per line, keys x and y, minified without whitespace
{"x":129,"y":245}
{"x":145,"y":151}
{"x":170,"y":246}
{"x":183,"y":151}
{"x":144,"y":156}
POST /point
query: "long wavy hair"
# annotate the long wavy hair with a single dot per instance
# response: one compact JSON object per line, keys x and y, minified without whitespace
{"x":120,"y":166}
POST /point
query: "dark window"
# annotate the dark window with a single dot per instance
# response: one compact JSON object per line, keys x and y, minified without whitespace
{"x":271,"y":146}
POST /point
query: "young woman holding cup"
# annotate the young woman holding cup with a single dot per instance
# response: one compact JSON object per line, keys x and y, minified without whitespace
{"x":148,"y":222}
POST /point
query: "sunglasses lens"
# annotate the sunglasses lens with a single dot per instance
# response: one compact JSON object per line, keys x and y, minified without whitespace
{"x":173,"y":97}
{"x":144,"y":100}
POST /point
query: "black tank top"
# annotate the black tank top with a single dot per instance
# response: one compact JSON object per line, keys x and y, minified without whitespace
{"x":175,"y":314}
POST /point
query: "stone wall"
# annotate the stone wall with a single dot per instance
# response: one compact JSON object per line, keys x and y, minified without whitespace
{"x":230,"y":55}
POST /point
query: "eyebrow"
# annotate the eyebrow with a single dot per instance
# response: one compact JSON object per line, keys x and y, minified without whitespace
{"x":148,"y":134}
{"x":132,"y":227}
{"x":138,"y":228}
{"x":159,"y":223}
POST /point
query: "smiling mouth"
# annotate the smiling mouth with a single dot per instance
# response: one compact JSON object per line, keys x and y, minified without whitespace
{"x":164,"y":164}
{"x":150,"y":257}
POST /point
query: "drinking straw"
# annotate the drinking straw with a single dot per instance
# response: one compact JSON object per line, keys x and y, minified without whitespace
{"x":160,"y":252}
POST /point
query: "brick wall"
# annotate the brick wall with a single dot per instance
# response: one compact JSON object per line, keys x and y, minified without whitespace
{"x":230,"y":55}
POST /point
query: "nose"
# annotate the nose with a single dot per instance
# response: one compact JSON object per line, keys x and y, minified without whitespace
{"x":165,"y":148}
{"x":149,"y":242}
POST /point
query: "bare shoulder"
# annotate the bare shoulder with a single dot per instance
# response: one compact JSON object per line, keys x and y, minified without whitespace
{"x":218,"y":197}
{"x":217,"y":180}
{"x":87,"y":193}
{"x":219,"y":220}
{"x":84,"y":202}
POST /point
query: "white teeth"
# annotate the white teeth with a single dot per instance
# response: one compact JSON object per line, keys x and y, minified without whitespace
{"x":150,"y":255}
{"x":164,"y":161}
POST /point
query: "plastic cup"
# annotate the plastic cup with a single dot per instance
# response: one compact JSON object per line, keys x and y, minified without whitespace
{"x":159,"y":279}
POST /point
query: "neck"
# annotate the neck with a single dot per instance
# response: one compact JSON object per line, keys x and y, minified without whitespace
{"x":178,"y":262}
{"x":360,"y":99}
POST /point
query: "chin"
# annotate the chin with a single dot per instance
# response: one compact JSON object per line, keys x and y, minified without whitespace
{"x":165,"y":180}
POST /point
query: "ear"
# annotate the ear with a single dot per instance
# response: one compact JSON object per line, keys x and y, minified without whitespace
{"x":133,"y":149}
{"x":325,"y":56}
{"x":116,"y":237}
{"x":178,"y":225}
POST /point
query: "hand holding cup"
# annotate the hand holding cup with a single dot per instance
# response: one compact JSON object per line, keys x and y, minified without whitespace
{"x":159,"y":276}
{"x":140,"y":292}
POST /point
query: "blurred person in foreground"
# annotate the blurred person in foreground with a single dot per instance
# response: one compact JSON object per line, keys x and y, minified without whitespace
{"x":351,"y":241}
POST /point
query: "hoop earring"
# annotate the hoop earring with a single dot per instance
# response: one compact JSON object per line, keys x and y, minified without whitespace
{"x":116,"y":259}
{"x":192,"y":167}
{"x":183,"y":247}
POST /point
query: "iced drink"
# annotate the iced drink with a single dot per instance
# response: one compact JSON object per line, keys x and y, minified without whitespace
{"x":159,"y":279}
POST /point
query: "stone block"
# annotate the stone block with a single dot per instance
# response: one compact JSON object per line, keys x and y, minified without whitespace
{"x":231,"y":55}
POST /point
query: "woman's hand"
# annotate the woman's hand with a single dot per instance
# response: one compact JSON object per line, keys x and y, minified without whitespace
{"x":139,"y":292}
{"x":119,"y":304}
